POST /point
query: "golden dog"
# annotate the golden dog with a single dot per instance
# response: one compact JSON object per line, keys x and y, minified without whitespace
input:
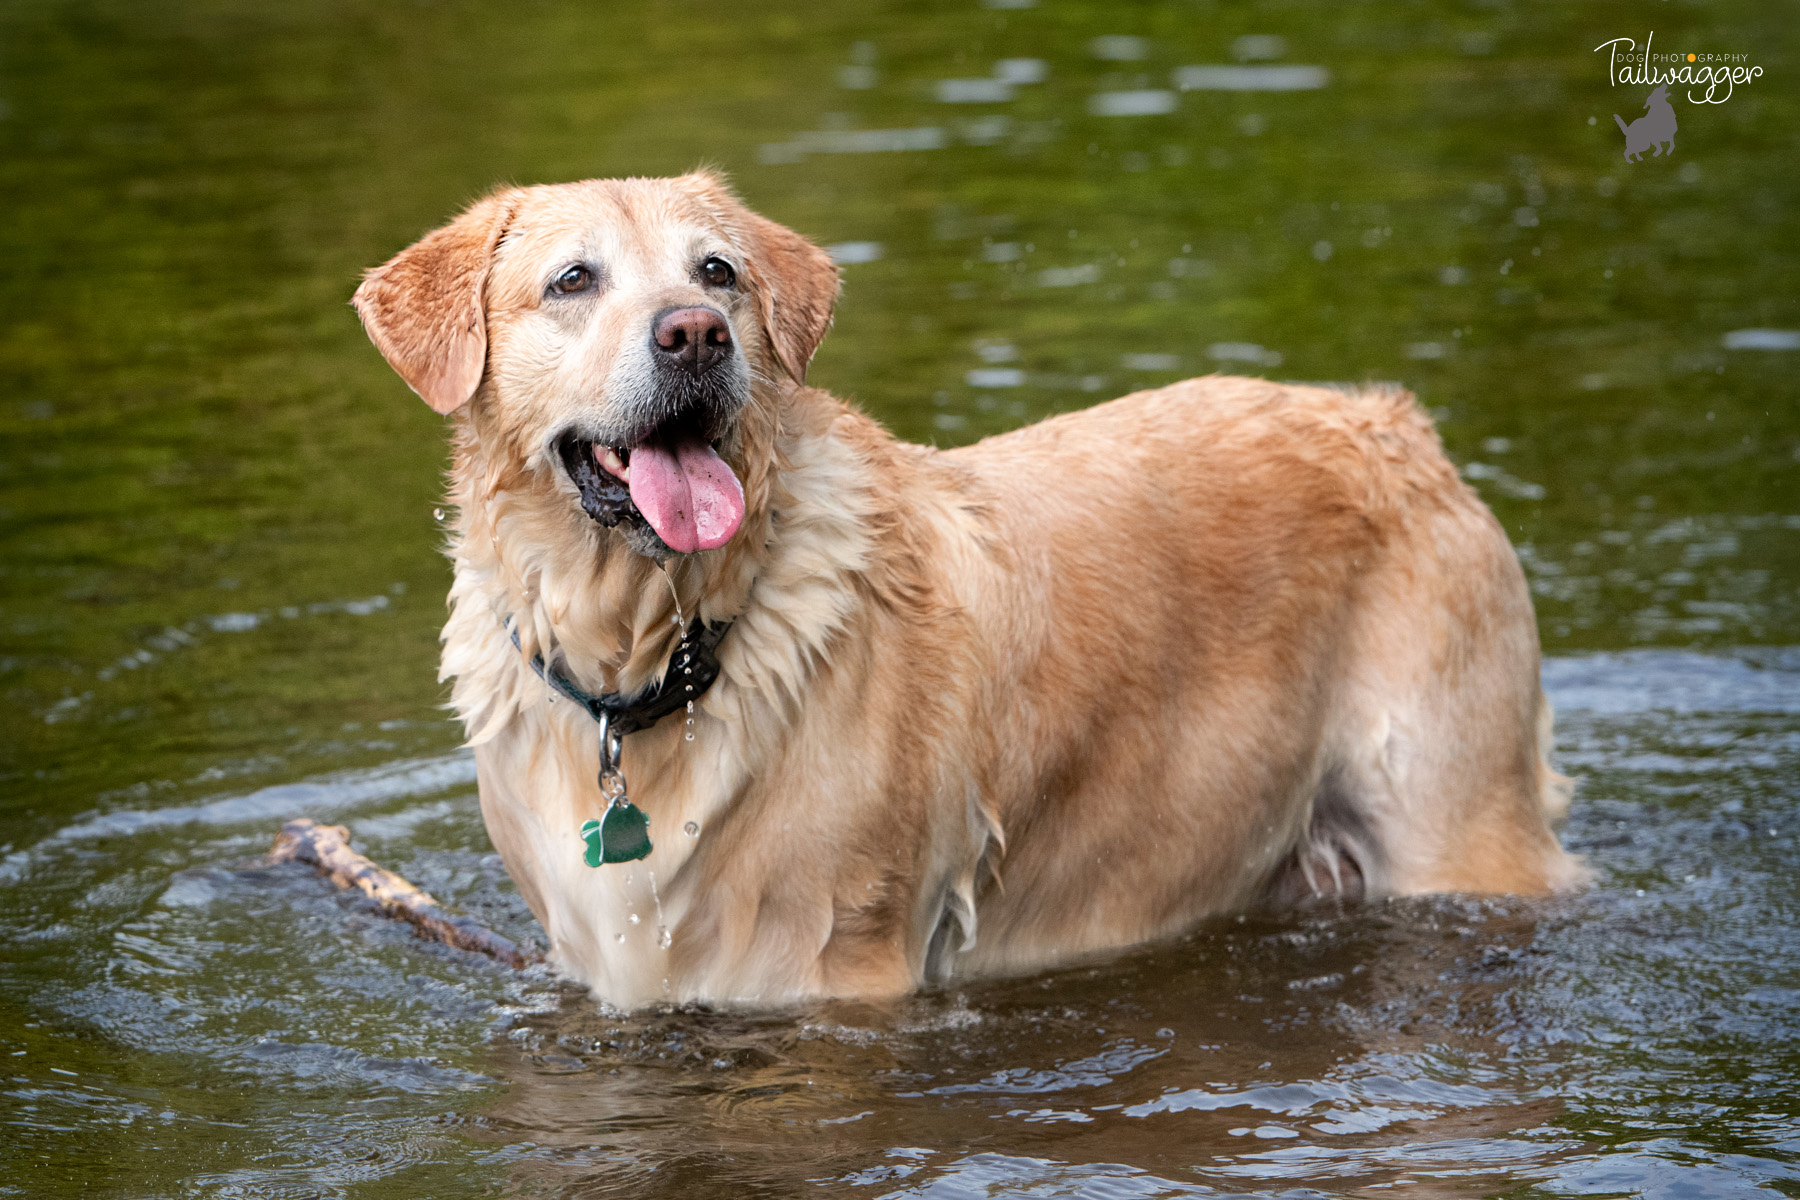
{"x":1224,"y":644}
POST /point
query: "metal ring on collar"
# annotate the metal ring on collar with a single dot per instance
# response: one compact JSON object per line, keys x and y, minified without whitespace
{"x":612,"y":744}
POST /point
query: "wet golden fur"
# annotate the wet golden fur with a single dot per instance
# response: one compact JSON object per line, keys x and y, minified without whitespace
{"x":1223,"y":644}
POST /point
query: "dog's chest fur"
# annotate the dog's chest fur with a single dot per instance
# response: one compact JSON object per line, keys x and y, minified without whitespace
{"x":683,"y":923}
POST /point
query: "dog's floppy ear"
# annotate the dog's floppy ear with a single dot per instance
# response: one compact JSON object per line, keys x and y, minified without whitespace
{"x":424,"y":308}
{"x":796,"y":283}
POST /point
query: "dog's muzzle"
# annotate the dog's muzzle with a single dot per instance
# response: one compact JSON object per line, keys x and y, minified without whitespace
{"x":662,"y":472}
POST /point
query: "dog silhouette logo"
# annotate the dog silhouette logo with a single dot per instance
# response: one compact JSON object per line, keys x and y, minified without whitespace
{"x":1655,"y":128}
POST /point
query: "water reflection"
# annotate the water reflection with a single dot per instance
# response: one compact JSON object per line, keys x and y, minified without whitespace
{"x":220,"y":587}
{"x":1313,"y":1040}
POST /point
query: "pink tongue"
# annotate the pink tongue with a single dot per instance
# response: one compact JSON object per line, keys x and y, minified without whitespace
{"x":686,"y":492}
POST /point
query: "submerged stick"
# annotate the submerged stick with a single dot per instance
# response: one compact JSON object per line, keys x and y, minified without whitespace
{"x":327,"y":847}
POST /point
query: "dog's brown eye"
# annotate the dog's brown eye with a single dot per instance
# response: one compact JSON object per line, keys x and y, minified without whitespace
{"x":576,"y":279}
{"x":716,"y":272}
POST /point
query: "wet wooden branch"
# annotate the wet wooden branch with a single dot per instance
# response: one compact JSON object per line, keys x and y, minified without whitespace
{"x":327,"y":847}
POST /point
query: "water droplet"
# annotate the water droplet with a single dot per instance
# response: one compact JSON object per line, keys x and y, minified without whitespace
{"x":437,"y":514}
{"x":663,"y":939}
{"x":661,"y":926}
{"x":633,"y":918}
{"x":690,"y":707}
{"x":692,"y":829}
{"x":619,"y":938}
{"x":669,"y":578}
{"x":689,"y":736}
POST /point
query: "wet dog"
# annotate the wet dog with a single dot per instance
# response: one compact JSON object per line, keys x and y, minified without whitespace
{"x":1225,"y":644}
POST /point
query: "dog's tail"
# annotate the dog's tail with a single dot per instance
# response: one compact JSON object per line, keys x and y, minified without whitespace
{"x":1621,"y":121}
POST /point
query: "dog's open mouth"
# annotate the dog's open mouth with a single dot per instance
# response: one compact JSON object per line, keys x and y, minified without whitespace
{"x":672,"y":479}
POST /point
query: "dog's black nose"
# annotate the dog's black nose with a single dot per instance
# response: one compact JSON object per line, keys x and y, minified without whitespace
{"x":696,"y":339}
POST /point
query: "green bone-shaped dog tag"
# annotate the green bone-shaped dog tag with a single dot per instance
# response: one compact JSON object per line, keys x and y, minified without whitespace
{"x":622,"y":835}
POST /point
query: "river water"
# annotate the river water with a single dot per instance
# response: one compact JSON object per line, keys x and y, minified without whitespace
{"x":220,"y":590}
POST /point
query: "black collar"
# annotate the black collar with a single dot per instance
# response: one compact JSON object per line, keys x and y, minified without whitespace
{"x":692,"y":668}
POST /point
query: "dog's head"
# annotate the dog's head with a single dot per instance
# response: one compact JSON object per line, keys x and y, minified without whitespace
{"x":617,"y":328}
{"x":1659,"y":96}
